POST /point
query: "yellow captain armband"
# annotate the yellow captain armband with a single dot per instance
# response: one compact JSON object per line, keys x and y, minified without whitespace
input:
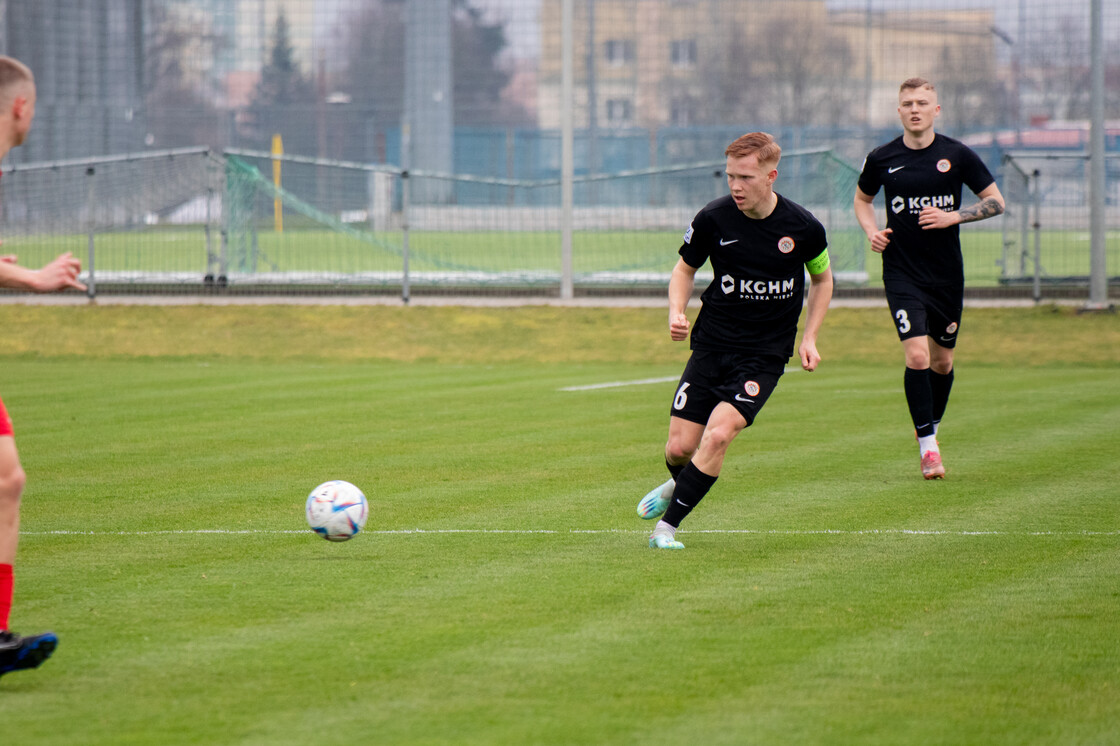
{"x":818,"y":265}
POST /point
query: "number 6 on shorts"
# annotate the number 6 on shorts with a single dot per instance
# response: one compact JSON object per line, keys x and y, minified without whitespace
{"x":682,"y":397}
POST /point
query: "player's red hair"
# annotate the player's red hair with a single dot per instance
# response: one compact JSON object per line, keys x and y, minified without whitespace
{"x":756,"y":143}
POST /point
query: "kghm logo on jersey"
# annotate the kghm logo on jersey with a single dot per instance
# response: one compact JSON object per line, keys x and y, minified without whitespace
{"x":944,"y":165}
{"x":757,"y":289}
{"x":785,"y":244}
{"x":943,"y":201}
{"x":898,"y":204}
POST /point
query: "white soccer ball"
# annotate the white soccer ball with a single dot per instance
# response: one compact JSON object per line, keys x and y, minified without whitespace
{"x":337,"y":510}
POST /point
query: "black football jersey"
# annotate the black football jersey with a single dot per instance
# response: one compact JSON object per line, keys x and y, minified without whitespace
{"x":754,"y":301}
{"x":911,"y":180}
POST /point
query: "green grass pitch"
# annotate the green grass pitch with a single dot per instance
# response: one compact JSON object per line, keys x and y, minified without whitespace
{"x":503,"y":592}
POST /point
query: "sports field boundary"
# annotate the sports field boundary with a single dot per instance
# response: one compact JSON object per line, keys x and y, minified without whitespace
{"x":583,"y":531}
{"x":480,"y":301}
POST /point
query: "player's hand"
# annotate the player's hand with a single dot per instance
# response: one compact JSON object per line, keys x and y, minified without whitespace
{"x":810,"y":358}
{"x":60,"y":274}
{"x":8,"y":258}
{"x":880,"y":239}
{"x":678,"y":327}
{"x":932,"y":218}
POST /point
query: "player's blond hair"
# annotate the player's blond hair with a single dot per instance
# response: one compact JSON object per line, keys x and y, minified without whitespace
{"x":911,"y":83}
{"x":756,"y":143}
{"x":14,"y":75}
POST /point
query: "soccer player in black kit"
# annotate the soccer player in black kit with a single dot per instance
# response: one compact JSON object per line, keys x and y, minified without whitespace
{"x":760,"y":245}
{"x":922,"y":174}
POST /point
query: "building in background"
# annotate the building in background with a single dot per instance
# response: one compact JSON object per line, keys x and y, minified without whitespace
{"x":680,"y":63}
{"x":125,"y":75}
{"x":89,"y":66}
{"x":956,"y":49}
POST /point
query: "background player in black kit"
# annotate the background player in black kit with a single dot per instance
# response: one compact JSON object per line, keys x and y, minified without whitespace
{"x":922,"y":174}
{"x":760,"y":244}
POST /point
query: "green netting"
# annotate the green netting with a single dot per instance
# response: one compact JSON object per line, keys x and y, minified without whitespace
{"x":344,"y":224}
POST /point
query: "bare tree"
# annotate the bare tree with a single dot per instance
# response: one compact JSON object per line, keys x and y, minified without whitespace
{"x":179,"y":102}
{"x":730,"y":82}
{"x":374,"y":60}
{"x":808,"y":68}
{"x":967,"y":101}
{"x":1058,"y":71}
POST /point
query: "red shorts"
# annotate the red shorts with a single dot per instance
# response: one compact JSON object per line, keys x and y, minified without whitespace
{"x":5,"y":421}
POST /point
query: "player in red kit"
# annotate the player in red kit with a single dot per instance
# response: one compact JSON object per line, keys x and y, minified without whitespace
{"x":17,"y":110}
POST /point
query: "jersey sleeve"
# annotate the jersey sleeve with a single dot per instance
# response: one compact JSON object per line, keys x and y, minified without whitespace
{"x":976,"y":175}
{"x":815,"y":253}
{"x":869,"y":182}
{"x":697,"y":240}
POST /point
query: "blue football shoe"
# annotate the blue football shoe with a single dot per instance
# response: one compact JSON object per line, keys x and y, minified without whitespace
{"x":653,"y":505}
{"x":18,"y":652}
{"x":664,"y":540}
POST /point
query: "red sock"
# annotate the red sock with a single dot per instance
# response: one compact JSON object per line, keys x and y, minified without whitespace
{"x":6,"y":583}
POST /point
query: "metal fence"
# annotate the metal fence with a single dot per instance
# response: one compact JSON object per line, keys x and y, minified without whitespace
{"x":189,"y":221}
{"x":1046,"y":238}
{"x":649,"y":89}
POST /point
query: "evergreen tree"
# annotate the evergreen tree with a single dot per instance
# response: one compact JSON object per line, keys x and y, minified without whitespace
{"x":282,"y":82}
{"x":284,"y":101}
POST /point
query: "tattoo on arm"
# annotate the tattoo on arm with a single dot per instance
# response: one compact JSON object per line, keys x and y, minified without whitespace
{"x":987,"y":208}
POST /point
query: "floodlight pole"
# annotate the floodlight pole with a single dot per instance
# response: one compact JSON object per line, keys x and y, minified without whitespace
{"x":91,"y":281}
{"x":1098,"y":270}
{"x":567,"y":140}
{"x":406,"y":209}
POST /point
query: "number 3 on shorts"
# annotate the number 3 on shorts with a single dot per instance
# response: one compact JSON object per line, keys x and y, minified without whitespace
{"x":903,"y":321}
{"x":681,"y":398}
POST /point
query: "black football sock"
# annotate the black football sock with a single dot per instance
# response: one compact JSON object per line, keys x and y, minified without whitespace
{"x":940,"y":386}
{"x":919,"y":397}
{"x":692,"y":485}
{"x":675,"y":469}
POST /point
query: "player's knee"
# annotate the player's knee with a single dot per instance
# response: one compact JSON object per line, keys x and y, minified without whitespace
{"x":718,"y":437}
{"x":917,"y":360}
{"x":679,"y":451}
{"x":942,"y":363}
{"x":12,"y":482}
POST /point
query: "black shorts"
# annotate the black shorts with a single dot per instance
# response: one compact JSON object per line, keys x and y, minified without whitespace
{"x":744,"y":381}
{"x":920,"y":312}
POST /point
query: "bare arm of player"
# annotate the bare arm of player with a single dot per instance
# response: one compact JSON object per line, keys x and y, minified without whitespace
{"x":865,"y":216}
{"x":820,"y":294}
{"x":990,"y":205}
{"x":681,"y":284}
{"x":60,"y":274}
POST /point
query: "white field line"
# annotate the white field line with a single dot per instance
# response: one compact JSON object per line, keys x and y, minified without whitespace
{"x":555,"y":532}
{"x":618,"y":384}
{"x":639,"y":382}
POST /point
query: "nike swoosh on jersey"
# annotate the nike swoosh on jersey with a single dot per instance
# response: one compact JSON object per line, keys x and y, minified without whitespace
{"x":896,"y":168}
{"x":728,"y":243}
